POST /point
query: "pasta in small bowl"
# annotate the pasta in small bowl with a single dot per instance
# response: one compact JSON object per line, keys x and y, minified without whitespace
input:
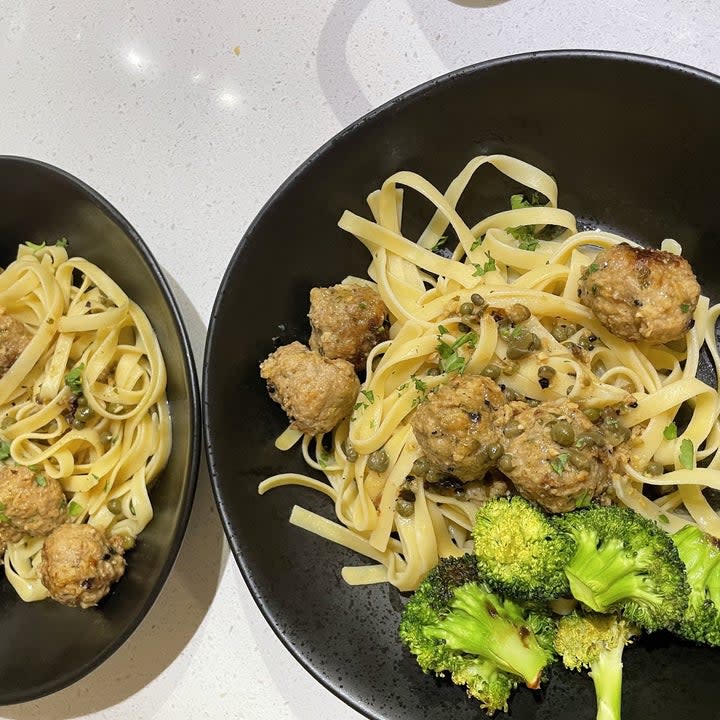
{"x":98,"y":428}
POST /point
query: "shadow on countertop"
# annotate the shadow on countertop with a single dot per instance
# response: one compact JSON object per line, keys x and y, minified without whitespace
{"x":177,"y":614}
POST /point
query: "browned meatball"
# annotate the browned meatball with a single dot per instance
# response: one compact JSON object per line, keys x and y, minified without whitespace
{"x":641,"y":294}
{"x":457,"y":423}
{"x":79,"y":564}
{"x":8,"y":534}
{"x":543,"y":460}
{"x":31,"y":503}
{"x":347,"y":322}
{"x":314,"y":391}
{"x":14,"y":337}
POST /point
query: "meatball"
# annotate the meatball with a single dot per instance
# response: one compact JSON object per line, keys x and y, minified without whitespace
{"x":314,"y":391}
{"x":457,"y":424}
{"x":30,"y":504}
{"x":8,"y":534}
{"x":641,"y":294}
{"x":14,"y":337}
{"x":79,"y":564}
{"x":554,"y":455}
{"x":347,"y":322}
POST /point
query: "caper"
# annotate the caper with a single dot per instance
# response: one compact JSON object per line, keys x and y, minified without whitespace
{"x":404,"y":508}
{"x":463,"y":328}
{"x":80,"y":400}
{"x":532,"y":402}
{"x":378,"y":460}
{"x":518,"y":313}
{"x":349,"y":451}
{"x":509,"y":367}
{"x":511,"y":395}
{"x":115,"y":506}
{"x":515,"y":353}
{"x":467,"y":308}
{"x":654,"y":468}
{"x":433,"y":371}
{"x":505,"y":329}
{"x":77,"y":424}
{"x":106,"y":437}
{"x":84,"y":413}
{"x":562,"y":433}
{"x":478,"y":300}
{"x":505,"y":463}
{"x":578,"y":459}
{"x":434,"y":476}
{"x":115,"y":408}
{"x":546,"y":371}
{"x":561,"y":331}
{"x":520,"y":338}
{"x":586,"y":439}
{"x":491,"y":371}
{"x":617,"y":435}
{"x":584,"y":342}
{"x":420,"y":467}
{"x":592,"y":414}
{"x":494,"y":451}
{"x":535,"y":343}
{"x":513,"y":429}
{"x":128,"y":542}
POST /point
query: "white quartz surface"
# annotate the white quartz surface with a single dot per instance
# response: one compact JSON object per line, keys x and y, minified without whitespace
{"x":186,"y":116}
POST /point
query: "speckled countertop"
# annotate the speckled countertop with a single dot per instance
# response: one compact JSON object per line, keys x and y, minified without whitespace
{"x":186,"y":116}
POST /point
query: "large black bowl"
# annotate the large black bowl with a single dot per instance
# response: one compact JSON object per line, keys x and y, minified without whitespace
{"x":633,"y":143}
{"x":46,"y":646}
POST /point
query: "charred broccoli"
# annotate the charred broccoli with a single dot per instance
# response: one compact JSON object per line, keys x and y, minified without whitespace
{"x":520,"y":551}
{"x":596,"y":642}
{"x":454,"y":624}
{"x":701,"y":556}
{"x":625,"y":562}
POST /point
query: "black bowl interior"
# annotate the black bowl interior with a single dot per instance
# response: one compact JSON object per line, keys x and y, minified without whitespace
{"x":46,"y":646}
{"x":633,"y":144}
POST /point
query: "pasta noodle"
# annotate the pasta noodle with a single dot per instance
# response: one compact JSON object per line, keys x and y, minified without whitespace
{"x":88,"y":339}
{"x":423,"y":292}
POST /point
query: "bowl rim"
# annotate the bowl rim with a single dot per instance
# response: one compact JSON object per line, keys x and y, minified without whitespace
{"x":195,"y":431}
{"x":408,"y":95}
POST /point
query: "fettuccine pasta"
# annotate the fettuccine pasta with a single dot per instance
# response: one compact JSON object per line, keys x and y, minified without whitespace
{"x":424,"y":291}
{"x":84,"y":403}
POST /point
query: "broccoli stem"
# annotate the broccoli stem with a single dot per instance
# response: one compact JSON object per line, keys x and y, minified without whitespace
{"x":606,"y":673}
{"x":482,"y":626}
{"x":601,"y":577}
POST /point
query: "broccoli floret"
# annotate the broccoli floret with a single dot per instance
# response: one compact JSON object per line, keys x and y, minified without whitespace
{"x":596,"y":643}
{"x":701,"y":556}
{"x":623,"y":561}
{"x":519,"y":550}
{"x":454,"y":624}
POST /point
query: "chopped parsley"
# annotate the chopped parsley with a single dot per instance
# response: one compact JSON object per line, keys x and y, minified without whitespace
{"x":4,"y":518}
{"x":443,"y":330}
{"x":73,"y":379}
{"x":663,"y":519}
{"x":370,"y":395}
{"x":322,"y":460}
{"x":687,"y":454}
{"x":685,"y":307}
{"x":519,"y":201}
{"x":4,"y":450}
{"x":74,"y":509}
{"x":583,"y":500}
{"x":450,"y":359}
{"x":480,"y":270}
{"x":420,"y":385}
{"x":62,"y":242}
{"x":34,"y":246}
{"x":525,"y":237}
{"x":559,"y":463}
{"x":441,"y":241}
{"x":477,"y":243}
{"x":670,"y":432}
{"x":40,"y":480}
{"x":591,"y":268}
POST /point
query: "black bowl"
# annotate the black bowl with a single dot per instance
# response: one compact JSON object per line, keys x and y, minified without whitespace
{"x":634,"y":145}
{"x":45,"y":645}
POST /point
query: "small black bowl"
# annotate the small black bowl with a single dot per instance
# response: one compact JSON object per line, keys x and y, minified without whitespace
{"x":634,"y":145}
{"x":46,"y":646}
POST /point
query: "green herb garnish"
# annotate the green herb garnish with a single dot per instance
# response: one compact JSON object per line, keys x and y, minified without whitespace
{"x":74,"y":509}
{"x":670,"y":432}
{"x":685,"y":307}
{"x":687,"y":454}
{"x":559,"y":463}
{"x":4,"y":450}
{"x":480,"y":270}
{"x":40,"y":480}
{"x":73,"y":379}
